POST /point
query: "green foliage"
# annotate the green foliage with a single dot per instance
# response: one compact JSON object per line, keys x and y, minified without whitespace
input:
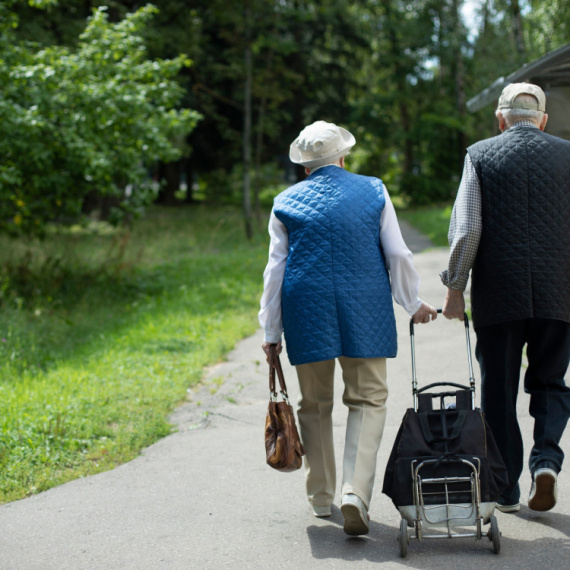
{"x":432,"y":221}
{"x":547,"y":26}
{"x":91,"y":119}
{"x":43,"y":3}
{"x":412,"y":109}
{"x":397,"y":73}
{"x":94,"y":355}
{"x":305,"y":55}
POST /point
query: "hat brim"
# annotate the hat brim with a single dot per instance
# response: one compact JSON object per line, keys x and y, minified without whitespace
{"x":524,"y":106}
{"x":522,"y":89}
{"x":348,"y":142}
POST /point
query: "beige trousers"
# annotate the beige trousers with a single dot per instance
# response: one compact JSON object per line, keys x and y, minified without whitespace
{"x":365,"y":394}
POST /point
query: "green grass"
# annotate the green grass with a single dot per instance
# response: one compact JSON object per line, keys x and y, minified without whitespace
{"x":432,"y":221}
{"x":101,"y":336}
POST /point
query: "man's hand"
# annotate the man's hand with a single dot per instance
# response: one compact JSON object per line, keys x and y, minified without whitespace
{"x":423,"y":314}
{"x":266,"y":346}
{"x":454,"y":305}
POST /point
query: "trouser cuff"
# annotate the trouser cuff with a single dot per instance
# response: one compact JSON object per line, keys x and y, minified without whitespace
{"x":546,"y":464}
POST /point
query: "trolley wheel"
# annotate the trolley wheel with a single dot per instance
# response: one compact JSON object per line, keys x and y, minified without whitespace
{"x":495,"y":534}
{"x":404,"y":538}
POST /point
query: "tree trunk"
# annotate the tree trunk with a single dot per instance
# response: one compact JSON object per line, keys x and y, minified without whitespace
{"x":107,"y":204}
{"x":247,"y":126}
{"x":259,"y":147}
{"x":460,"y":102}
{"x":258,"y":150}
{"x":459,"y":79}
{"x":170,"y":173}
{"x":297,"y":64}
{"x":408,"y":148}
{"x":518,"y":26}
{"x":402,"y":105}
{"x":485,"y":18}
{"x":189,"y":171}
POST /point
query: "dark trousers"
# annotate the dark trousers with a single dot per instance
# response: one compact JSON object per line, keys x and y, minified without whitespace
{"x":499,"y":352}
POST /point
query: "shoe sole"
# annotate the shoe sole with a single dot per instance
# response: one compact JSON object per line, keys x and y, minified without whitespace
{"x":508,"y":508}
{"x":544,"y":498}
{"x":354,"y":524}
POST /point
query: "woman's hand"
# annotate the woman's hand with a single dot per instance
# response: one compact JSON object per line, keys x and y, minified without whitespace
{"x":266,"y":346}
{"x":423,"y":314}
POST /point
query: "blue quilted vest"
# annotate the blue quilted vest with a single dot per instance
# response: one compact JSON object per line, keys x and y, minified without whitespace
{"x":336,"y":299}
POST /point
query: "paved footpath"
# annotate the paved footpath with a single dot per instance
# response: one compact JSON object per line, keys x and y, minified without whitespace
{"x":203,"y":497}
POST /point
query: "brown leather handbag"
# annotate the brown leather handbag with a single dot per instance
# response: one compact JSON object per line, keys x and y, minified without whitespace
{"x":283,"y":448}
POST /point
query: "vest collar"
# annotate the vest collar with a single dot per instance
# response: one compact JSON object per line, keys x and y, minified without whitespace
{"x":519,"y":124}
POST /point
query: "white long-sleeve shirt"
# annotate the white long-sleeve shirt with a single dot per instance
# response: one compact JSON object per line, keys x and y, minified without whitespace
{"x":404,"y":279}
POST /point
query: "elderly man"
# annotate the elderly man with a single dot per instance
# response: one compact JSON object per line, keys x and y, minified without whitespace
{"x":510,"y":223}
{"x":335,"y":259}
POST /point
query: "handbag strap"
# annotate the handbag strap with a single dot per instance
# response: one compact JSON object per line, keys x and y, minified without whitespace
{"x":275,"y":365}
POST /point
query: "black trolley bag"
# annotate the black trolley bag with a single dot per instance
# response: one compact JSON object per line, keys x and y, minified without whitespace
{"x":445,"y":468}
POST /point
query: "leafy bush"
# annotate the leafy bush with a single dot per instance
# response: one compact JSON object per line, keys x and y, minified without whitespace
{"x":89,"y":120}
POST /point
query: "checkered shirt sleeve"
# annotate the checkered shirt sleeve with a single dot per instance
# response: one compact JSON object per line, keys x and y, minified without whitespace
{"x":464,"y":229}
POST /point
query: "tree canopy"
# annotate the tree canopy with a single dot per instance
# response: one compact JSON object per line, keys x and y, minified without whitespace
{"x":82,"y":120}
{"x":397,"y":73}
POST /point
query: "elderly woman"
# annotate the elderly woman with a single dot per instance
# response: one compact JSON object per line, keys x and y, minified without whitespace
{"x":336,"y":257}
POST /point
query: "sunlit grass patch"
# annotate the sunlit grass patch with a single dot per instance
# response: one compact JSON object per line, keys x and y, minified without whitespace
{"x":93,"y":364}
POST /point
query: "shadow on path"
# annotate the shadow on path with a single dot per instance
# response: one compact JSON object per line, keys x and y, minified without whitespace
{"x":381,"y":546}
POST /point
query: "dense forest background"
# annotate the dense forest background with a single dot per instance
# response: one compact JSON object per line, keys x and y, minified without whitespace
{"x":396,"y":73}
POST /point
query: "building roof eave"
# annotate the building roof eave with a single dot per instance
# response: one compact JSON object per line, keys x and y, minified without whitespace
{"x":536,"y":68}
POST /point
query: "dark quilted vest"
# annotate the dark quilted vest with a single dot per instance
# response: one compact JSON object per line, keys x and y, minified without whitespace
{"x":336,"y":299}
{"x":522,"y":269}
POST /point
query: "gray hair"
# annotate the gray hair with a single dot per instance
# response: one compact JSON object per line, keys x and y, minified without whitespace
{"x":336,"y":162}
{"x":512,"y":116}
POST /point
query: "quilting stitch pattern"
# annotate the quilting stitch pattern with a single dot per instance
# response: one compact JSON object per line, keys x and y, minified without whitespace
{"x":522,"y":269}
{"x":336,"y":295}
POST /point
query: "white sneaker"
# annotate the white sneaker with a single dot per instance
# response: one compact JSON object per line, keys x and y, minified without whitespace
{"x":514,"y":508}
{"x":322,"y":512}
{"x":356,"y":519}
{"x":543,"y":492}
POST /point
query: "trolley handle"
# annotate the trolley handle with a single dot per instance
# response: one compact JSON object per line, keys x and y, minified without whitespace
{"x":439,"y":312}
{"x":469,"y":359}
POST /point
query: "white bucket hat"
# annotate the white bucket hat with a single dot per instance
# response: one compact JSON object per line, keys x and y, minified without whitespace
{"x":319,"y":144}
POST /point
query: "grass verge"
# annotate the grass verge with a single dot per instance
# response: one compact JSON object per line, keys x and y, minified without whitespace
{"x":102,"y":335}
{"x":432,"y":221}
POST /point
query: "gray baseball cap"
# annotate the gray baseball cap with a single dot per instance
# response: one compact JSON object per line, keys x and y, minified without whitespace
{"x":513,"y":90}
